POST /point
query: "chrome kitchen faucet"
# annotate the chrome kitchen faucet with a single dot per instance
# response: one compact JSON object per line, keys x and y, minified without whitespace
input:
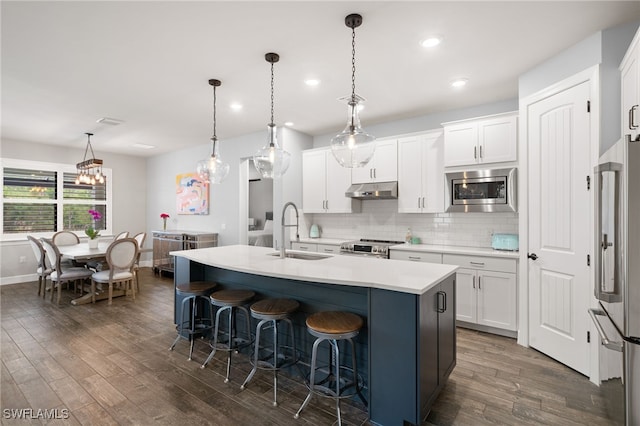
{"x":283,"y":225}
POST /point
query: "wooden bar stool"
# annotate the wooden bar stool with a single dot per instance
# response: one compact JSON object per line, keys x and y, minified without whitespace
{"x":333,"y":326}
{"x":231,"y":301}
{"x":271,"y":312}
{"x":196,"y":298}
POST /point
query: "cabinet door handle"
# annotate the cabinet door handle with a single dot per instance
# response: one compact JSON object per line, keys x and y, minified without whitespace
{"x":374,"y":173}
{"x":423,"y":202}
{"x":475,"y":153}
{"x":479,"y":283}
{"x":415,"y":258}
{"x":418,"y":202}
{"x":477,"y":263}
{"x":480,"y":151}
{"x":632,"y":116}
{"x":327,"y":201}
{"x":370,"y":173}
{"x":474,"y":282}
{"x":441,"y":307}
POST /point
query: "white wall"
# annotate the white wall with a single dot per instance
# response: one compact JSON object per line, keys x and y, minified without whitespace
{"x":129,"y":199}
{"x":223,"y":217}
{"x":605,"y":48}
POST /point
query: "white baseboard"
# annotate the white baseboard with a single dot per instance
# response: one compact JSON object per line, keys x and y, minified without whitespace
{"x":18,"y":279}
{"x":34,"y":277}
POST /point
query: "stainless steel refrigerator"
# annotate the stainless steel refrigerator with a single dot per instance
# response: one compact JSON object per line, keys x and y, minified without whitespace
{"x":617,"y":283}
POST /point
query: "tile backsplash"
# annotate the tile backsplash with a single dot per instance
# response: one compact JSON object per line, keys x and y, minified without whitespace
{"x":380,"y":219}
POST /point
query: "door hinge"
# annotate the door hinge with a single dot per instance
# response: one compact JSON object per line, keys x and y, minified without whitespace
{"x":588,"y":183}
{"x":588,"y":337}
{"x":588,"y":260}
{"x":588,"y":106}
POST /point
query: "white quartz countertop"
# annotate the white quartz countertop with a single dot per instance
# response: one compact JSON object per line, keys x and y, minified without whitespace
{"x":472,"y":251}
{"x":387,"y":274}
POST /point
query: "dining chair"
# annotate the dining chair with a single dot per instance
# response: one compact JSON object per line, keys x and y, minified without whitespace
{"x":139,"y":237}
{"x":63,"y":274}
{"x":65,"y":238}
{"x":124,"y":234}
{"x":121,"y":256}
{"x":43,"y":269}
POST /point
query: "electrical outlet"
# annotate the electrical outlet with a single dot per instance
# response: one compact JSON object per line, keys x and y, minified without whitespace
{"x":23,"y":259}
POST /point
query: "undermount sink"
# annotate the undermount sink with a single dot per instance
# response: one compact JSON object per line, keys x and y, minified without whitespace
{"x":303,"y":256}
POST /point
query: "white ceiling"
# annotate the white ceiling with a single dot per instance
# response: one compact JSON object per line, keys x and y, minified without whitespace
{"x":67,"y":64}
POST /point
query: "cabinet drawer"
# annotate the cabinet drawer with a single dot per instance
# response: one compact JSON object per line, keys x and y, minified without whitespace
{"x":304,"y":246}
{"x":328,"y":248}
{"x":416,"y":256}
{"x":481,"y":262}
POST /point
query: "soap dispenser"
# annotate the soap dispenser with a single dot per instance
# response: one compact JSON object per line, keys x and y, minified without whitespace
{"x":408,"y":237}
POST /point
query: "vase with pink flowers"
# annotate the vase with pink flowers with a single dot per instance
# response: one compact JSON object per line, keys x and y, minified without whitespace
{"x":91,"y":230}
{"x":164,"y":217}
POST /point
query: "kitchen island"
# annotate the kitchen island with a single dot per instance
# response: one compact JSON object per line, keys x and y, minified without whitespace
{"x":405,"y":351}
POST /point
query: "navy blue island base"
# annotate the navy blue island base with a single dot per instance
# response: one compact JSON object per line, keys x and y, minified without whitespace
{"x":405,"y":351}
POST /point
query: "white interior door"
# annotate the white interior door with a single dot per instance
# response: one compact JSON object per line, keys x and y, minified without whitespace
{"x":560,"y":225}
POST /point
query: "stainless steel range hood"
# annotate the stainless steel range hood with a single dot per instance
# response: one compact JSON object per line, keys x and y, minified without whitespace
{"x":373,"y":191}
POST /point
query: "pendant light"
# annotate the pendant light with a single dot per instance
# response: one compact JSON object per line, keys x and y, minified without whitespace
{"x":353,"y":147}
{"x":89,"y":170}
{"x":271,"y":161}
{"x":213,"y":170}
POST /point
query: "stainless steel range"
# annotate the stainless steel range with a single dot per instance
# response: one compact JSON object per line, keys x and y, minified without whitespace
{"x":364,"y":247}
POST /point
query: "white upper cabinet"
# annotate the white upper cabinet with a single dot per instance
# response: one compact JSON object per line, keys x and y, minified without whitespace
{"x":421,"y":174}
{"x":383,"y":167}
{"x":324,"y":183}
{"x":630,"y":76}
{"x":481,"y":141}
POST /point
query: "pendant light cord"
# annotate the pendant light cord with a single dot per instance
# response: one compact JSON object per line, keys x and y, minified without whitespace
{"x":272,"y":78}
{"x":88,"y":147}
{"x":214,"y":138}
{"x":353,"y":64}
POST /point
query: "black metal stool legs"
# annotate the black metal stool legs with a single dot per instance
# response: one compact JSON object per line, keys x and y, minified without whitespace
{"x":233,"y":343}
{"x":274,"y":366}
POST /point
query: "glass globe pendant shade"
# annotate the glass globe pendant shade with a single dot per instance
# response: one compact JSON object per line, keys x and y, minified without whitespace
{"x":353,"y":147}
{"x":213,"y":170}
{"x":271,"y":161}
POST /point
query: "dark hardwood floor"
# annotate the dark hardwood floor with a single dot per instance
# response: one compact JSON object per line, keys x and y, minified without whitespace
{"x":110,"y":365}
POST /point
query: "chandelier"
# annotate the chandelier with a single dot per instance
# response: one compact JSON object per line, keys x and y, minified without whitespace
{"x":89,"y":170}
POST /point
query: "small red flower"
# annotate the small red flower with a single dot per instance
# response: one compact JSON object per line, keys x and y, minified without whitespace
{"x":164,"y":215}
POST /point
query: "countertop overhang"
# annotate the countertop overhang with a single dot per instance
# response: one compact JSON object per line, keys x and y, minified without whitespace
{"x":395,"y":275}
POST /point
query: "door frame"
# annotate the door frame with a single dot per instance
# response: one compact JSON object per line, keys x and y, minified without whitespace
{"x":591,"y":75}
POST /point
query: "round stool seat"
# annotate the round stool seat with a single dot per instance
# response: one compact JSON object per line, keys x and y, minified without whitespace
{"x":231,"y":297}
{"x":334,"y":322}
{"x":275,"y":307}
{"x":196,"y":288}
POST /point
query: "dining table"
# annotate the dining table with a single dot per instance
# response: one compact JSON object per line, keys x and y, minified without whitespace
{"x":82,"y":253}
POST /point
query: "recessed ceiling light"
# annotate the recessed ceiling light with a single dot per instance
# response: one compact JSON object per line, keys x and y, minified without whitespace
{"x":460,"y":82}
{"x":312,"y":82}
{"x":142,"y":146}
{"x":236,"y":106}
{"x":431,"y":41}
{"x":288,"y":123}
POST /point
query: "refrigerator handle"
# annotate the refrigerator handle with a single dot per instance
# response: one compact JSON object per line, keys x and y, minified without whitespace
{"x":604,"y":340}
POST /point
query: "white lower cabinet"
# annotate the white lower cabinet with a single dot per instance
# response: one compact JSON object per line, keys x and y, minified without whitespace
{"x":486,"y":290}
{"x":320,"y":248}
{"x":416,"y":256}
{"x":303,"y":246}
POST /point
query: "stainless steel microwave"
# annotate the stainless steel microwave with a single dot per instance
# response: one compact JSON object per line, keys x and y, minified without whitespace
{"x":491,"y":190}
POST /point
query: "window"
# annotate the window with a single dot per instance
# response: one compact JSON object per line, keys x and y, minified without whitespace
{"x":43,"y":198}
